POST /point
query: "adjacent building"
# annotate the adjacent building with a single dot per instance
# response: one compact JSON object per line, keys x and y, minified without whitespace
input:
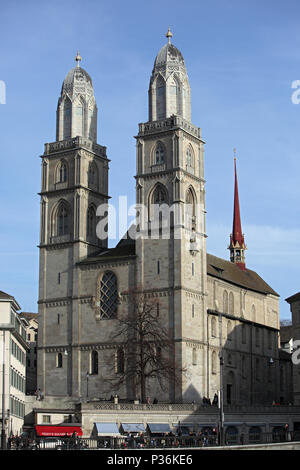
{"x":13,"y":350}
{"x":30,"y":321}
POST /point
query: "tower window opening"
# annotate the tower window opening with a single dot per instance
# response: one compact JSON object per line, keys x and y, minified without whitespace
{"x":159,"y":155}
{"x":63,"y":222}
{"x":62,"y":173}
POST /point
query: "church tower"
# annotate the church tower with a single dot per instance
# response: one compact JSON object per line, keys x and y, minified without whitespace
{"x":237,"y":245}
{"x":74,"y":184}
{"x":171,"y":243}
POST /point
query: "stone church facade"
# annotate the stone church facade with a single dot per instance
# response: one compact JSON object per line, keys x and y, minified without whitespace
{"x":210,"y":306}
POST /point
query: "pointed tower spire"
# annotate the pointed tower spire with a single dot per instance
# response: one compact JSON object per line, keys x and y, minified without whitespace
{"x":237,"y":245}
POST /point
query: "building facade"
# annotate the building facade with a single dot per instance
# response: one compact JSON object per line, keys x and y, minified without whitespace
{"x":13,"y":365}
{"x":210,"y":307}
{"x":30,"y":321}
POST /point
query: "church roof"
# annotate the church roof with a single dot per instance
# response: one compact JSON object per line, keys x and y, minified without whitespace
{"x":76,"y":77}
{"x":216,"y":267}
{"x":230,"y":272}
{"x":124,"y":249}
{"x":169,"y":53}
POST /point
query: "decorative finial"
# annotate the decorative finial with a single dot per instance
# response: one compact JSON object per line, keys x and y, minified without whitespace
{"x":78,"y":59}
{"x":169,"y":35}
{"x":234,"y":153}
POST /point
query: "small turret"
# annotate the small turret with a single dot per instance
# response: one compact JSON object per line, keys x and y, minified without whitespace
{"x":77,"y":109}
{"x":169,"y":89}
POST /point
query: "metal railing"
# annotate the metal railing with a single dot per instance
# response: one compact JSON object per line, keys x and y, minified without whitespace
{"x":155,"y":442}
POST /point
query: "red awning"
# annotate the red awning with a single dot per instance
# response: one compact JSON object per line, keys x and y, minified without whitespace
{"x":50,"y":431}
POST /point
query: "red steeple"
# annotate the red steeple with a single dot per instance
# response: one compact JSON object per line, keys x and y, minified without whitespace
{"x":237,"y":245}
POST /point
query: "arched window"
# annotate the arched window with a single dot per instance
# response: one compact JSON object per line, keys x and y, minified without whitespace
{"x":62,"y":172}
{"x":213,"y":327}
{"x":108,"y":293}
{"x":159,"y":154}
{"x":231,"y":303}
{"x":120,"y":366}
{"x":92,"y":175}
{"x":160,"y":98}
{"x":67,"y":118}
{"x":59,"y":360}
{"x":190,"y":209}
{"x":225,"y":301}
{"x":94,"y":363}
{"x":158,"y":210}
{"x":189,"y":158}
{"x":159,"y":195}
{"x":91,"y":223}
{"x":62,"y":220}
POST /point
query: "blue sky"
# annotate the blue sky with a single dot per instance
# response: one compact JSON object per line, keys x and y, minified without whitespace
{"x":241,"y":57}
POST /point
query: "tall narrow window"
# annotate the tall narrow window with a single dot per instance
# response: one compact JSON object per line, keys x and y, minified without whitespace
{"x":63,"y":173}
{"x":158,"y":267}
{"x":213,"y":327}
{"x":92,"y":175}
{"x":159,"y":154}
{"x":194,"y":357}
{"x":193,"y":270}
{"x":94,"y":363}
{"x":91,"y":224}
{"x":108,"y":295}
{"x":63,"y":221}
{"x":193,"y":311}
{"x":59,"y":360}
{"x":189,"y":158}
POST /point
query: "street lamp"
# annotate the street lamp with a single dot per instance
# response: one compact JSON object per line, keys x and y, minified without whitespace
{"x":87,"y":385}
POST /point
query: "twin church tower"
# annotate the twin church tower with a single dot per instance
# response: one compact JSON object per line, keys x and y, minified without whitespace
{"x":82,"y":282}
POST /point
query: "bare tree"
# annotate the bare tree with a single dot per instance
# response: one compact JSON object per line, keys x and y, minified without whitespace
{"x":145,"y":347}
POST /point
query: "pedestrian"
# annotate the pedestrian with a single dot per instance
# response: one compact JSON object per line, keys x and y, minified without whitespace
{"x":215,"y":400}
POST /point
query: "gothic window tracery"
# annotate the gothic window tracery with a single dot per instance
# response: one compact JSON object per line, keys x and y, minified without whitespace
{"x":92,"y":175}
{"x":108,"y":293}
{"x":62,"y":173}
{"x":62,"y":220}
{"x":159,"y":154}
{"x":189,"y":158}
